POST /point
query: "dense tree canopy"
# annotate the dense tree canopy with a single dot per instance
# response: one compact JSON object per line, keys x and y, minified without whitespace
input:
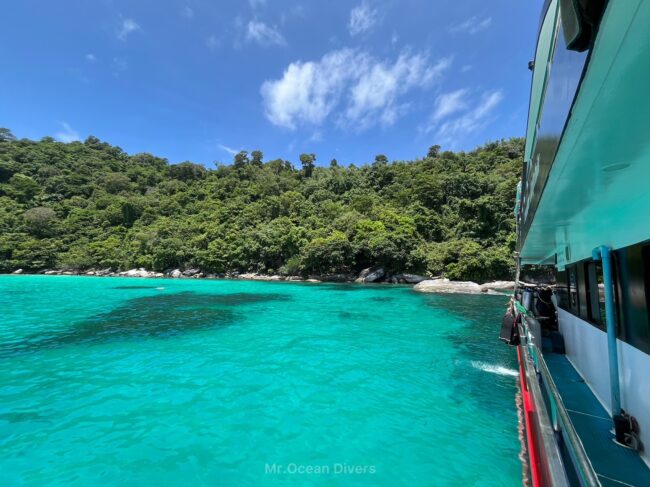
{"x":88,"y":204}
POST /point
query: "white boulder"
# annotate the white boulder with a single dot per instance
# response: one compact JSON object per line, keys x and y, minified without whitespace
{"x":446,"y":286}
{"x":140,"y":272}
{"x":498,"y":286}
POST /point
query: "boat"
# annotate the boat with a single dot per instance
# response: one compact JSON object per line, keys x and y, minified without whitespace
{"x":579,"y":315}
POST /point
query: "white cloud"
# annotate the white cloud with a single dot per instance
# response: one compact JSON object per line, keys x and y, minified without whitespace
{"x":449,"y":103}
{"x":466,"y":68}
{"x":187,"y":12}
{"x":257,"y":3}
{"x":212,"y":42}
{"x":229,"y":150}
{"x":263,"y":34}
{"x":90,"y":57}
{"x":119,"y":65}
{"x":295,"y":12}
{"x":472,"y":25}
{"x":374,"y":95}
{"x":362,"y":18}
{"x":127,"y":27}
{"x":317,"y":136}
{"x":307,"y":92}
{"x":367,"y":91}
{"x":469,"y":119}
{"x":68,"y":134}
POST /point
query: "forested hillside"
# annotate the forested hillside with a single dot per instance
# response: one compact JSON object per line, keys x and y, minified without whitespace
{"x":88,"y":204}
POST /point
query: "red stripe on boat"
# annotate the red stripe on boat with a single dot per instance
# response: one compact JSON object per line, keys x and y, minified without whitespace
{"x":529,"y":411}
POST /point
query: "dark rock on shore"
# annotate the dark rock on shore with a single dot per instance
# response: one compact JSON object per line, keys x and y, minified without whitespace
{"x":371,"y":274}
{"x":409,"y":278}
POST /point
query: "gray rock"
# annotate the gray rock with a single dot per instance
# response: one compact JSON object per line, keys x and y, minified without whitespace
{"x":259,"y":277}
{"x":447,"y":286}
{"x":376,"y":275}
{"x":191,"y":272}
{"x":371,"y":274}
{"x":363,"y":274}
{"x":176,"y":274}
{"x":17,"y":271}
{"x":103,"y":272}
{"x":410,"y":278}
{"x":337,"y":278}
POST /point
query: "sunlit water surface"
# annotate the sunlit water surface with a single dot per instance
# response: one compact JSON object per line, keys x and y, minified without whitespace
{"x":117,"y":381}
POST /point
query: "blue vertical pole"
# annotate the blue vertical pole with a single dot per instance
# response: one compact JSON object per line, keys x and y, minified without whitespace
{"x":603,"y":253}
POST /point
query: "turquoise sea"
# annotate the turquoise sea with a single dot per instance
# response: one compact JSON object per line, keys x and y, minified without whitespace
{"x":118,"y":381}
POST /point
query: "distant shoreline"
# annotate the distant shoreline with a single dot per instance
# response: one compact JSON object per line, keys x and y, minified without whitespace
{"x":436,"y":286}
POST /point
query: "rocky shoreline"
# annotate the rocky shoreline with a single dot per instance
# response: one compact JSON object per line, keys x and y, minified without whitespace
{"x":370,"y":275}
{"x":443,"y":285}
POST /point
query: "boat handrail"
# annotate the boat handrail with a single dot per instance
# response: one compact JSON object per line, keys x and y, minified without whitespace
{"x":552,"y":466}
{"x":559,"y":416}
{"x":563,"y":424}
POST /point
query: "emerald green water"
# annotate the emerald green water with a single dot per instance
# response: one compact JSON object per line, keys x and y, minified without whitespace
{"x":118,"y":381}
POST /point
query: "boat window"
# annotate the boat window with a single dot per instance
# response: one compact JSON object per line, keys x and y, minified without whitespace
{"x":583,"y":285}
{"x":561,"y":289}
{"x":595,"y":293}
{"x":573,"y":289}
{"x":633,"y":287}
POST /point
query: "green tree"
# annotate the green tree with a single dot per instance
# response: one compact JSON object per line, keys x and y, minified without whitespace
{"x":23,"y":188}
{"x":256,"y":158}
{"x":241,"y":159}
{"x":381,"y":159}
{"x":308,"y":163}
{"x":331,"y":254}
{"x":434,"y":151}
{"x":6,"y":135}
{"x":32,"y":254}
{"x":187,"y":171}
{"x":116,"y":183}
{"x":40,"y":220}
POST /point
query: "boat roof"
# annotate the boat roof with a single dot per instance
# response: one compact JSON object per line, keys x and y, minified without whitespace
{"x":597,"y":189}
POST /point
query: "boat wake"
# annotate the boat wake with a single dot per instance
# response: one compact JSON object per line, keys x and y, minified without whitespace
{"x":495,"y":369}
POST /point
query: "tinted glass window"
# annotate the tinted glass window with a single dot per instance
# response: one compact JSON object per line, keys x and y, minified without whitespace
{"x":594,"y":294}
{"x":582,"y":292}
{"x":561,"y":289}
{"x":573,"y":288}
{"x":633,"y":276}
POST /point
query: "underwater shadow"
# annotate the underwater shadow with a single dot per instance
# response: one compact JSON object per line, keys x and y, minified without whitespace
{"x":157,"y":316}
{"x":135,"y":287}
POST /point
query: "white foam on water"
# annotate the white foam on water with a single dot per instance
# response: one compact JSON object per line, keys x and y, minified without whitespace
{"x":160,"y":288}
{"x":495,"y":369}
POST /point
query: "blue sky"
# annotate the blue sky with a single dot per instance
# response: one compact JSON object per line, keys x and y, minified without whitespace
{"x":197,"y":79}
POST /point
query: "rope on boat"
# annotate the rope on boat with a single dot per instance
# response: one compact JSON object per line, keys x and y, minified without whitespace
{"x":521,"y":432}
